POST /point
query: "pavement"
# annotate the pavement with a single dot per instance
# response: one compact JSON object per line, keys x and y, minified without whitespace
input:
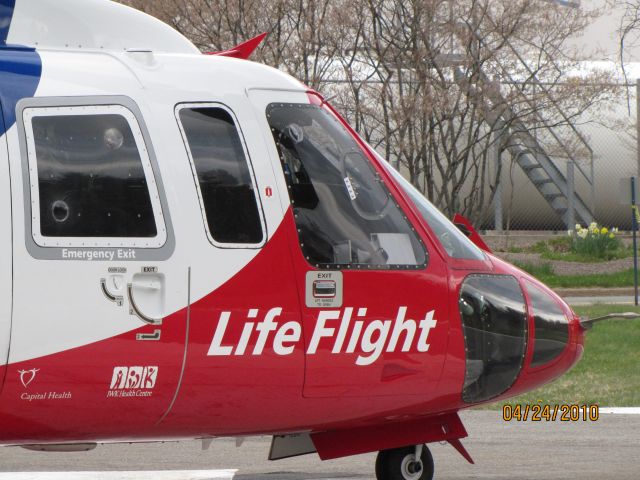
{"x":607,"y":448}
{"x":593,"y":296}
{"x":596,"y":292}
{"x":604,"y":299}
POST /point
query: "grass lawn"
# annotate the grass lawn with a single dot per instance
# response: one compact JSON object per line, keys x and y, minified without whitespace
{"x":544,"y":272}
{"x":609,"y":372}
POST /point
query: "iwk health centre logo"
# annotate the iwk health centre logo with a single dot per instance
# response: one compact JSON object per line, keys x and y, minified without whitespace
{"x":133,"y":382}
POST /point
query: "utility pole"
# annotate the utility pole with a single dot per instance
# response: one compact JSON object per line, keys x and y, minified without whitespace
{"x":571,"y":196}
{"x":497,"y":164}
{"x":638,"y":126}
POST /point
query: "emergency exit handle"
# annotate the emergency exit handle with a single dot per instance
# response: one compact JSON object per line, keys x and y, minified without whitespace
{"x":324,"y":288}
{"x":149,"y":284}
{"x":147,"y":297}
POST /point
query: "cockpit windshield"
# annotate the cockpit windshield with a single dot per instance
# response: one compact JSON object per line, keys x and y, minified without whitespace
{"x":452,"y":239}
{"x":345,"y":216}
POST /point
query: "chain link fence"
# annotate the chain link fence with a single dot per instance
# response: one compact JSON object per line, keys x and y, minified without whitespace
{"x":597,"y":175}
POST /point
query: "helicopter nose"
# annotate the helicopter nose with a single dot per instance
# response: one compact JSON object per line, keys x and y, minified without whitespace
{"x":515,"y":325}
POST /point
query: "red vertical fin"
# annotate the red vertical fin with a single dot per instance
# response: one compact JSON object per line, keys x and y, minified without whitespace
{"x":471,"y":232}
{"x":243,"y":50}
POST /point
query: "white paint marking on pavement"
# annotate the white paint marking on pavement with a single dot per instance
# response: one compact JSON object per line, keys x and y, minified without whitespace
{"x":621,"y":410}
{"x":164,"y":475}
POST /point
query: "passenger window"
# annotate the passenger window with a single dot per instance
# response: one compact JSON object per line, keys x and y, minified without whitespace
{"x":345,"y":216}
{"x":91,"y":178}
{"x":551,"y":326}
{"x":224,"y":179}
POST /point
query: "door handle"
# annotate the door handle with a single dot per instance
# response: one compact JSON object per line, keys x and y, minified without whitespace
{"x":152,"y":286}
{"x":117,"y":299}
{"x":324,"y":288}
{"x":134,"y":310}
{"x":149,"y":336}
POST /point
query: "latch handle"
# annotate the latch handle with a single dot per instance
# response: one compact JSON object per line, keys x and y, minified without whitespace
{"x":149,"y":336}
{"x":134,"y":310}
{"x":117,"y":299}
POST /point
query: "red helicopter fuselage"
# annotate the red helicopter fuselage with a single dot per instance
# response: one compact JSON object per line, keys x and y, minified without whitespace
{"x":201,"y":246}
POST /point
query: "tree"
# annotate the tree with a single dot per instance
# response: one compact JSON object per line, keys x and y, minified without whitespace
{"x":438,"y":86}
{"x":304,"y":36}
{"x":449,"y":83}
{"x":628,"y":34}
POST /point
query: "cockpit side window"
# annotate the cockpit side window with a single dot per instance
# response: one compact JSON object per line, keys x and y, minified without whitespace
{"x":494,"y":321}
{"x":456,"y":244}
{"x":345,"y":216}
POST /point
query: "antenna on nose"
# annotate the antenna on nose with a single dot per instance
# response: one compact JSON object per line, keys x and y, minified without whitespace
{"x":587,"y":322}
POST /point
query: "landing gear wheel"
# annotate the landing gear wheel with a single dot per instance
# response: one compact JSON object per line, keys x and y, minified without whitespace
{"x":401,"y":464}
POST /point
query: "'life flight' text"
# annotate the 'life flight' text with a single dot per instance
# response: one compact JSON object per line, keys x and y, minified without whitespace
{"x":342,"y":327}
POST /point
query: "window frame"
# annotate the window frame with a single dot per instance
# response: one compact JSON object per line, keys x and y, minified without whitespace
{"x":247,"y":157}
{"x":33,"y":111}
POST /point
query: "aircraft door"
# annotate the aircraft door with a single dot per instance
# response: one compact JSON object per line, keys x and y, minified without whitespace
{"x":245,"y":353}
{"x":374,"y":301}
{"x":5,"y":255}
{"x":100,"y":301}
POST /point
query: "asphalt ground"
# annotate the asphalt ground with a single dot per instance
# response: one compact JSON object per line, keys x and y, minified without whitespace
{"x":606,"y":449}
{"x":605,"y":300}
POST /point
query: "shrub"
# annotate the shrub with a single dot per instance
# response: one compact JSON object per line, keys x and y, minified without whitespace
{"x":594,"y":240}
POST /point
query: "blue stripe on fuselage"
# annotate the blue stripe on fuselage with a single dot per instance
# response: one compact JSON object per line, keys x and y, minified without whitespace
{"x":20,"y":69}
{"x":20,"y":72}
{"x":6,"y":14}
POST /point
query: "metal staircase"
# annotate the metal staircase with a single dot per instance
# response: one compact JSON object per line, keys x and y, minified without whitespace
{"x":540,"y":164}
{"x":553,"y":185}
{"x":542,"y":170}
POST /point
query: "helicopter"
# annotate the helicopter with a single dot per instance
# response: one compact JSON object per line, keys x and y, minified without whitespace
{"x":200,"y":246}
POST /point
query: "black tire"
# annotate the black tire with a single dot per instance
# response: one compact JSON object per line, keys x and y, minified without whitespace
{"x":391,"y":464}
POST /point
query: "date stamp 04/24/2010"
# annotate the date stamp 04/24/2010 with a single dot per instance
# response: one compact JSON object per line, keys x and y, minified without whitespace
{"x":550,"y":413}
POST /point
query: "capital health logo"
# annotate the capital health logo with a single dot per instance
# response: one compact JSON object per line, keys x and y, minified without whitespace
{"x":28,"y":376}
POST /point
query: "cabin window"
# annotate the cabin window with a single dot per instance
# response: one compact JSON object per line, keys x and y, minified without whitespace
{"x":345,"y":216}
{"x":223,"y":176}
{"x":92,"y":183}
{"x":551,"y":327}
